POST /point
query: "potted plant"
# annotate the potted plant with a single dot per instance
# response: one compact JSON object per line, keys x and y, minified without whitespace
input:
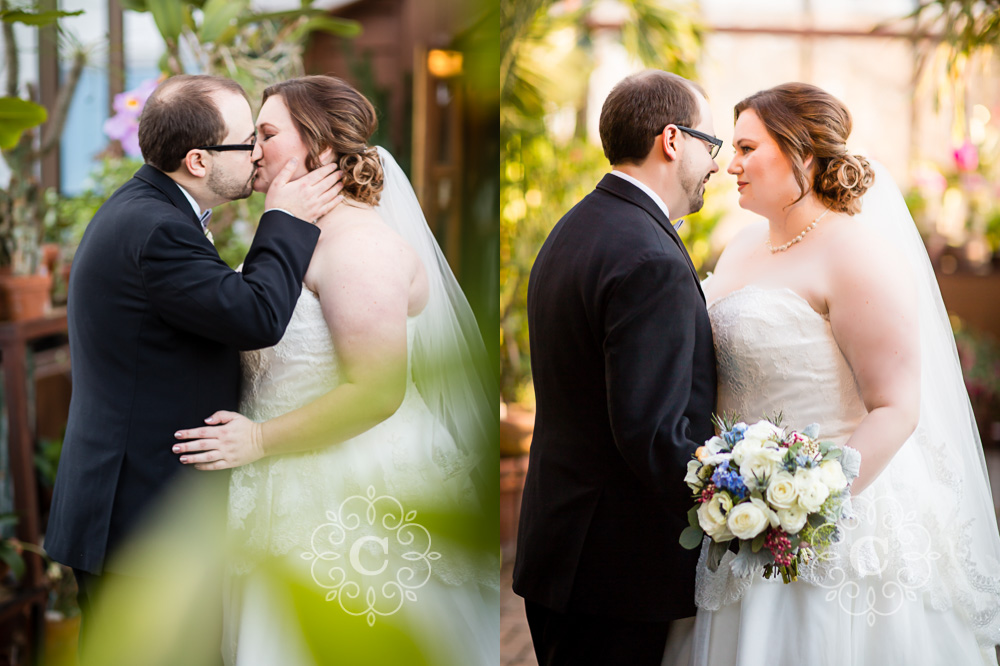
{"x":24,"y":282}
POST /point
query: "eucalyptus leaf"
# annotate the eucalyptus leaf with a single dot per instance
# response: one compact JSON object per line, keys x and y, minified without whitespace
{"x":16,"y":116}
{"x":691,"y":537}
{"x":693,"y":517}
{"x":758,"y":542}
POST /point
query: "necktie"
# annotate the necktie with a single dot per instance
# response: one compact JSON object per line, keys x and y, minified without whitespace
{"x":205,"y":218}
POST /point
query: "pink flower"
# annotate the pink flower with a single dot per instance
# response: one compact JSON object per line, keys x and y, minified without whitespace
{"x":966,"y":156}
{"x":124,"y":125}
{"x":125,"y":128}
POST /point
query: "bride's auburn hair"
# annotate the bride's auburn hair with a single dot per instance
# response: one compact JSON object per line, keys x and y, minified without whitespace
{"x":329,"y":113}
{"x":808,"y":121}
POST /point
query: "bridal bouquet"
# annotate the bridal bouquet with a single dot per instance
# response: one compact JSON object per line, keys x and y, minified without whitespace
{"x":779,"y":492}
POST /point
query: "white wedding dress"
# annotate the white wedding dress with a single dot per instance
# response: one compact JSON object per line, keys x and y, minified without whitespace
{"x":309,"y":508}
{"x":877,"y":601}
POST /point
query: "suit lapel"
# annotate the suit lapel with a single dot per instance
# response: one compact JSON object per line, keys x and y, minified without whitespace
{"x":626,"y":191}
{"x":170,"y":189}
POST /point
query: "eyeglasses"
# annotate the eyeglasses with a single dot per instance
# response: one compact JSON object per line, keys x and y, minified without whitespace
{"x":714,"y":143}
{"x":232,"y":146}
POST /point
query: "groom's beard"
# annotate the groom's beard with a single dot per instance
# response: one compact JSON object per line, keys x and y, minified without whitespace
{"x":693,"y":185}
{"x":229,"y":187}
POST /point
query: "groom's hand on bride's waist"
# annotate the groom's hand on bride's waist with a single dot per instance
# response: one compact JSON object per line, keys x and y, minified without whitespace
{"x":230,"y":440}
{"x":308,"y":197}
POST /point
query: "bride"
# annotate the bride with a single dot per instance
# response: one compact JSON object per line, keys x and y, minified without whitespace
{"x":828,"y":312}
{"x":356,"y":458}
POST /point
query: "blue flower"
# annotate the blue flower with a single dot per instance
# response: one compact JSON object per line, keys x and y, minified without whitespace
{"x":729,"y":480}
{"x":735,"y":435}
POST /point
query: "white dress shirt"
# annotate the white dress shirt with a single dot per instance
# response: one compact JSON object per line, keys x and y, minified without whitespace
{"x":652,"y":195}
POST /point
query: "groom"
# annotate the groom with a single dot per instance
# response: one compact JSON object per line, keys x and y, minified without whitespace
{"x":156,"y":318}
{"x":624,"y":374}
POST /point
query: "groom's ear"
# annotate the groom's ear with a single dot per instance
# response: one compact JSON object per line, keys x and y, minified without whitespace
{"x":194,"y":162}
{"x":668,"y":141}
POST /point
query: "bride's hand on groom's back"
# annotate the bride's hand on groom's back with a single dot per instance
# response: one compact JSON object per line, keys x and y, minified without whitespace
{"x":230,"y":440}
{"x":308,"y":197}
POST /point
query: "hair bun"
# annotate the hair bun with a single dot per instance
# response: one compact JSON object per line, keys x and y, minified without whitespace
{"x":363,"y":176}
{"x":841,"y":185}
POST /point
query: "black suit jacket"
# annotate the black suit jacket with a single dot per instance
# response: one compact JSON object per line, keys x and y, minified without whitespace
{"x":156,"y":322}
{"x":624,"y":374}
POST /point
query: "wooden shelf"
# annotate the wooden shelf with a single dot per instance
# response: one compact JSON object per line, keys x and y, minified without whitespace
{"x":15,"y":338}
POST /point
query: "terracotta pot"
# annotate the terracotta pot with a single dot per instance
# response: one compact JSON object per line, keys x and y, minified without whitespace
{"x":25,"y":296}
{"x":50,"y":256}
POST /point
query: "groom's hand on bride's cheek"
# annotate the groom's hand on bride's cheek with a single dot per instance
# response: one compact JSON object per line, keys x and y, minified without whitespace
{"x":230,"y":440}
{"x":309,"y":197}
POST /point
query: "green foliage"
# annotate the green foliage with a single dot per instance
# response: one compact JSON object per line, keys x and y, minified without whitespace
{"x":22,"y":205}
{"x":47,"y":461}
{"x":537,"y":187}
{"x":33,"y":17}
{"x":966,"y":25}
{"x":16,"y":116}
{"x":229,"y":38}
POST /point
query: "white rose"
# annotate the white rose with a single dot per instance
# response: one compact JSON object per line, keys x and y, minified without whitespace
{"x":712,"y":517}
{"x":781,"y":491}
{"x":832,"y":475}
{"x":792,"y":519}
{"x":772,"y":517}
{"x":760,"y":464}
{"x":744,"y":447}
{"x":746,"y":520}
{"x":812,"y":491}
{"x":764,"y":431}
{"x":692,"y":478}
{"x":716,"y":444}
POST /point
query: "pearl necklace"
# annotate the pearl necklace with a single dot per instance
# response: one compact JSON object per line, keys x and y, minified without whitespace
{"x":797,"y":239}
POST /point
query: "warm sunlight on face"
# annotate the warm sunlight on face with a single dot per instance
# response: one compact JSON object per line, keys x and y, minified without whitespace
{"x":278,"y":141}
{"x":763,"y":173}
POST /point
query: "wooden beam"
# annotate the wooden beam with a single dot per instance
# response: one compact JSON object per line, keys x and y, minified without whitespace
{"x":48,"y":88}
{"x":116,"y":53}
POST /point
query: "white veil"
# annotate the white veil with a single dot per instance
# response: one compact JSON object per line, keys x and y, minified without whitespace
{"x":450,"y":364}
{"x":943,"y":543}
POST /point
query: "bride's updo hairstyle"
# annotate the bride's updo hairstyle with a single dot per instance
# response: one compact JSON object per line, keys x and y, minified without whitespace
{"x":807,"y":121}
{"x":329,"y":113}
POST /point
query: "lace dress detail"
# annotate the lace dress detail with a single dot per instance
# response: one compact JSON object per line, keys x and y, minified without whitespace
{"x":887,"y":578}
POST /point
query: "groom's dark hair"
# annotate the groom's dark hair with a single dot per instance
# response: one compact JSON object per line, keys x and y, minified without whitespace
{"x":181,"y":115}
{"x":638,"y":109}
